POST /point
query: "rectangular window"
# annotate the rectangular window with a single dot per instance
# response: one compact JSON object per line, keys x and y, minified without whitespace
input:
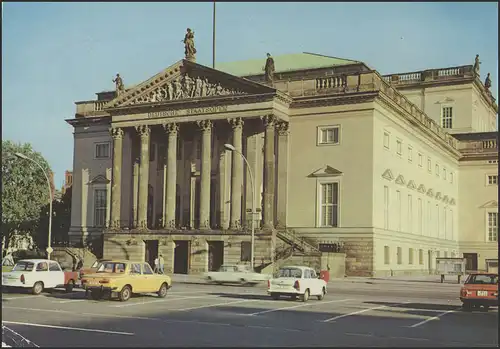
{"x":420,"y":160}
{"x":386,"y":140}
{"x":492,"y":226}
{"x":421,"y":257}
{"x":410,"y":256}
{"x":100,"y":206}
{"x":445,"y":223}
{"x":438,"y":232}
{"x":451,"y":177}
{"x":410,"y":214}
{"x":329,"y":135}
{"x":398,"y":207}
{"x":428,"y":225}
{"x":386,"y":207}
{"x":451,"y":225}
{"x":399,"y":147}
{"x":102,"y":150}
{"x":410,"y":154}
{"x":400,"y":255}
{"x":447,"y":117}
{"x":437,"y":170}
{"x":420,"y":217}
{"x":387,"y":255}
{"x":329,"y":204}
{"x":444,"y":173}
{"x":429,"y":165}
{"x":246,"y":253}
{"x":492,"y":180}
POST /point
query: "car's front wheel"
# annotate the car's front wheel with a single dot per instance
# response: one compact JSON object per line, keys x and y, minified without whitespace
{"x":162,"y":292}
{"x":125,"y":293}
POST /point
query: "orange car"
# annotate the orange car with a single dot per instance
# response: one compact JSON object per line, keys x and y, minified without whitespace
{"x":480,"y":289}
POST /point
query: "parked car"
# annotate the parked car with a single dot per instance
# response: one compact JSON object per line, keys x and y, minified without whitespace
{"x":480,"y":289}
{"x":293,"y":281}
{"x":39,"y":275}
{"x":237,"y":273}
{"x":93,"y":268}
{"x":122,"y":278}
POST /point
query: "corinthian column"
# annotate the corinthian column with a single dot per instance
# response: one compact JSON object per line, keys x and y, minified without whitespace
{"x":142,"y":213}
{"x":236,"y":173}
{"x":172,"y":130}
{"x":268,"y":219}
{"x":206,"y":172}
{"x":116,"y":184}
{"x":282,"y":191}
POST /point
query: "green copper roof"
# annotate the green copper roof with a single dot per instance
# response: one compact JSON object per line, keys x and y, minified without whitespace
{"x":282,"y":63}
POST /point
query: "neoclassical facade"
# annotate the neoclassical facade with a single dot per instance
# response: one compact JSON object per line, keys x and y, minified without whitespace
{"x":333,"y":153}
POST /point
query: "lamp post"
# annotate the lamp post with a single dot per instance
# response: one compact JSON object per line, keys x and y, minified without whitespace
{"x":22,"y":156}
{"x":232,"y":148}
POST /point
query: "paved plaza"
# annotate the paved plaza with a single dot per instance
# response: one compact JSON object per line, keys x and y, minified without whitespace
{"x":355,"y":312}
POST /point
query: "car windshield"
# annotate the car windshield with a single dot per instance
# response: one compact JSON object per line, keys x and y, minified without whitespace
{"x":482,"y":279}
{"x":23,"y":266}
{"x":290,"y":273}
{"x":111,"y":268}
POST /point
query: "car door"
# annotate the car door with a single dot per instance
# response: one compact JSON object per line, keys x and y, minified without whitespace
{"x":150,"y":279}
{"x":135,"y":276}
{"x":315,"y":283}
{"x":42,"y":274}
{"x":56,"y":275}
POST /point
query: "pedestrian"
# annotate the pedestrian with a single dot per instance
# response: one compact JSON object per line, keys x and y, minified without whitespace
{"x":156,"y":265}
{"x":161,"y":263}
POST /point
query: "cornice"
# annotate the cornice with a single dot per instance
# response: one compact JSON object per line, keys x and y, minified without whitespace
{"x":328,"y":100}
{"x":80,"y":121}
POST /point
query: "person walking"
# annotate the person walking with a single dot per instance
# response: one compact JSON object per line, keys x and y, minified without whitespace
{"x":161,"y":263}
{"x":156,"y":265}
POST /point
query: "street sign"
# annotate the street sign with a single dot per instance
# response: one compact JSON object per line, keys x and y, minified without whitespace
{"x":49,"y":249}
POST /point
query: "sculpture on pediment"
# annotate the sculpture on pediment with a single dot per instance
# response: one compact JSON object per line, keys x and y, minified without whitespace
{"x":178,"y":93}
{"x":188,"y":86}
{"x":119,"y":84}
{"x":269,"y":68}
{"x":487,"y":82}
{"x":189,"y":49}
{"x":476,"y":65}
{"x":198,"y":87}
{"x":170,"y":91}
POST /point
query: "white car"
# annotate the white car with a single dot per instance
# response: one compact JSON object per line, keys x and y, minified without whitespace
{"x":37,"y":274}
{"x":236,"y":274}
{"x":296,"y":281}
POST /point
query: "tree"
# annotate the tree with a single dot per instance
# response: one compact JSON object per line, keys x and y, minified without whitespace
{"x":61,"y":220}
{"x":24,"y":190}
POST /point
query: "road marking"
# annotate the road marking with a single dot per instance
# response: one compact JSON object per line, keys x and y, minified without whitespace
{"x":68,"y":328}
{"x":159,"y":300}
{"x":215,"y":305}
{"x":21,"y":297}
{"x":362,"y":311}
{"x":432,"y":318}
{"x":70,"y":301}
{"x":295,"y":306}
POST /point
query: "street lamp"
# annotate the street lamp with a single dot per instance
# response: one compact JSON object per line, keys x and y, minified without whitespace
{"x":232,"y":148}
{"x":22,"y":156}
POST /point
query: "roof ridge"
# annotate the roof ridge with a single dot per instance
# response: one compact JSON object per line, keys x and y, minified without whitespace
{"x":322,"y":55}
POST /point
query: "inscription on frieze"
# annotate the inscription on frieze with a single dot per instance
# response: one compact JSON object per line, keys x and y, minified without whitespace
{"x":186,"y":112}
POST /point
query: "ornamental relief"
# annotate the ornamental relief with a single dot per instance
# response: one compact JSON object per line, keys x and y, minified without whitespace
{"x":185,"y":87}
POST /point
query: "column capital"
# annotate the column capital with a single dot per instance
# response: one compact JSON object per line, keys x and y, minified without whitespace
{"x":283,"y":128}
{"x":143,"y":130}
{"x":205,"y":125}
{"x":236,"y":122}
{"x":171,"y":128}
{"x":116,"y":132}
{"x":269,"y":120}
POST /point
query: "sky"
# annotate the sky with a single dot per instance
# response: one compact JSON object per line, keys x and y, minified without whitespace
{"x":54,"y":54}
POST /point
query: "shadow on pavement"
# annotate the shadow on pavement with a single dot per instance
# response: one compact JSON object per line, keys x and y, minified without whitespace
{"x":242,"y":296}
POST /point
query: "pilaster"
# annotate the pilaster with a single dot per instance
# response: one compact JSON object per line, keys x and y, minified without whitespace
{"x":142,"y":212}
{"x":116,"y":183}
{"x":236,"y":173}
{"x":206,"y":157}
{"x":282,"y":175}
{"x":172,"y":130}
{"x":269,"y":171}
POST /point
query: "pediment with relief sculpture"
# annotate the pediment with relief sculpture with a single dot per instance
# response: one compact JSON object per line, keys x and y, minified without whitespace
{"x":186,"y":80}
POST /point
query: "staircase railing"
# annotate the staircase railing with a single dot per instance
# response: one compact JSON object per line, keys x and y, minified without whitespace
{"x":300,"y":243}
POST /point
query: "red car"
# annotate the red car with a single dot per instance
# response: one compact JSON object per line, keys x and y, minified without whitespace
{"x":480,"y":289}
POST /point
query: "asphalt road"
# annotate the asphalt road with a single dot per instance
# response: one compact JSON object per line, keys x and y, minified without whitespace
{"x":361,"y":313}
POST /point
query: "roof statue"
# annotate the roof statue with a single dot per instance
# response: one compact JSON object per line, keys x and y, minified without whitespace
{"x":269,"y":69}
{"x":487,"y":82}
{"x":189,"y":49}
{"x":476,"y":65}
{"x":119,"y":84}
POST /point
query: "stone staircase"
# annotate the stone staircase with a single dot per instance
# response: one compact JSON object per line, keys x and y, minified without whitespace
{"x":299,"y":243}
{"x":296,"y":250}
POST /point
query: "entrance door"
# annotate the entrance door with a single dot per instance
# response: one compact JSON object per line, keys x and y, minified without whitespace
{"x":215,"y":255}
{"x":181,"y":257}
{"x":470,"y":261}
{"x":151,"y":252}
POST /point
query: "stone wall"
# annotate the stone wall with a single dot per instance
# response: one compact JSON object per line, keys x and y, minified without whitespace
{"x":69,"y":256}
{"x":132,"y":247}
{"x":335,"y":263}
{"x":359,"y":257}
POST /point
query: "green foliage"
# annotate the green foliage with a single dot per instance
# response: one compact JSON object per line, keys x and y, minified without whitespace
{"x":24,"y":190}
{"x":61,"y":220}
